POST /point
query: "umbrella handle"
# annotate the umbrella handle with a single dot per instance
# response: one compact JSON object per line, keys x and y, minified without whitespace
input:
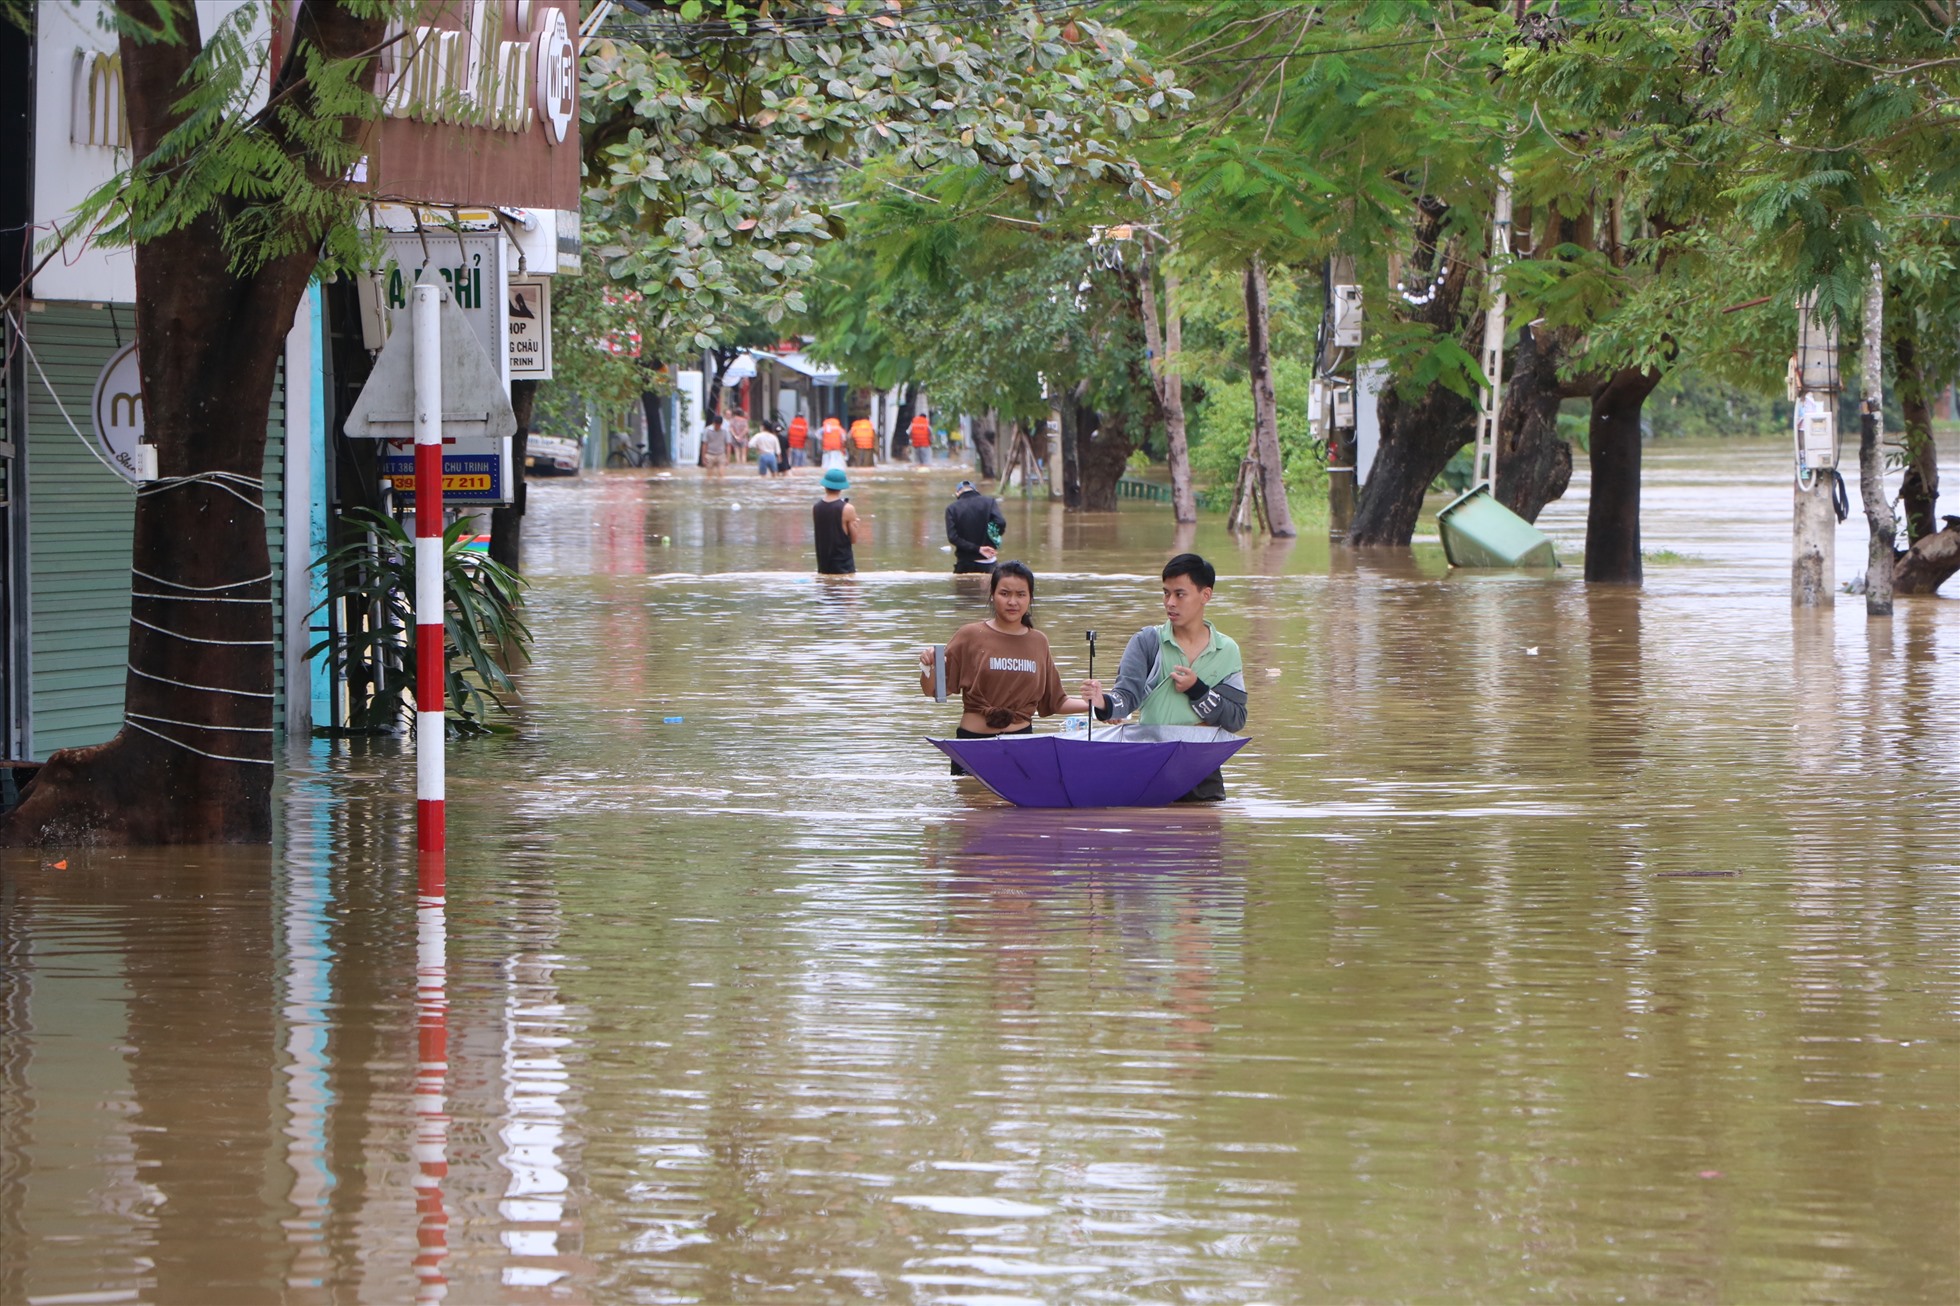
{"x":1091,"y":637}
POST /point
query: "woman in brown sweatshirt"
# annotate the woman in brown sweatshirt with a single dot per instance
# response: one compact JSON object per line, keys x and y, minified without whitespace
{"x":1001,"y":667}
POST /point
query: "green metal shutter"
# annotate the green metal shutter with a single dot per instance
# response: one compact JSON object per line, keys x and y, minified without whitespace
{"x":80,"y":525}
{"x":275,"y":537}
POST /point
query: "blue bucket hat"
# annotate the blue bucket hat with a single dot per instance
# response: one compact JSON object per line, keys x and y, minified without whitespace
{"x":834,"y":479}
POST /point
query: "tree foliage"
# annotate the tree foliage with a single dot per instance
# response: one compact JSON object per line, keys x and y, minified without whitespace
{"x":714,"y":133}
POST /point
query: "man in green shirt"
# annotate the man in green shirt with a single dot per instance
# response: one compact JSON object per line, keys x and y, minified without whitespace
{"x":1182,"y":673}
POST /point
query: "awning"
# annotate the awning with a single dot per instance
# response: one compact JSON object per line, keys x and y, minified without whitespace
{"x":800,"y":362}
{"x":740,"y":368}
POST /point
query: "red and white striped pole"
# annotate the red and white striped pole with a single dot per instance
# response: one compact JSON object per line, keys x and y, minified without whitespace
{"x":426,"y":322}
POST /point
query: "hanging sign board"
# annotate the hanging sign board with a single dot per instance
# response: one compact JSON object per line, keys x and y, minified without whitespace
{"x":470,"y":264}
{"x":529,"y":313}
{"x":118,"y":411}
{"x":475,"y":470}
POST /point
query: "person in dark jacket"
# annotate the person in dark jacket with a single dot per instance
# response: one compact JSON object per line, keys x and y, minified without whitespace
{"x":974,"y":526}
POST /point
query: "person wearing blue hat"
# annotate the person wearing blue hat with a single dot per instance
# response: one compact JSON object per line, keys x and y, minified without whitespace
{"x":838,"y":526}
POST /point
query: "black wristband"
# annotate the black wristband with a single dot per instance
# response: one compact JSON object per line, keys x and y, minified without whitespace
{"x":1197,"y":691}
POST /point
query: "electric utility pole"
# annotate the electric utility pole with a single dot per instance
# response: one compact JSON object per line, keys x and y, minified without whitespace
{"x":1339,"y":390}
{"x":1814,"y":387}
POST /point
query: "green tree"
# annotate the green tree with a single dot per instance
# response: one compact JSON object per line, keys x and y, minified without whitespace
{"x":231,"y":213}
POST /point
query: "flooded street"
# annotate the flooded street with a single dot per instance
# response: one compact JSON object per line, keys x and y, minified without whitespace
{"x":1553,"y":943}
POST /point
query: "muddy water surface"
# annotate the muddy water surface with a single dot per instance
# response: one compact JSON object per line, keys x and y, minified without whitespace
{"x":1554,"y":943}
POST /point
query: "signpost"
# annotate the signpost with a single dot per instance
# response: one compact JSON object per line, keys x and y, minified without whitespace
{"x":431,"y":827}
{"x":432,"y":379}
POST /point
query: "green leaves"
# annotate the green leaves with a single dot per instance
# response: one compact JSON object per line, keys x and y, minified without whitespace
{"x":482,"y":599}
{"x":271,"y":177}
{"x":721,"y":138}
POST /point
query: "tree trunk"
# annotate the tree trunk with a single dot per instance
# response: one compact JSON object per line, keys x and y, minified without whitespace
{"x":1919,"y":493}
{"x":899,"y":445}
{"x":1882,"y":547}
{"x":1534,"y":466}
{"x":660,"y":444}
{"x":1078,"y":426}
{"x":1265,"y":414}
{"x":1933,"y":557}
{"x":193,"y":761}
{"x":1419,"y":436}
{"x":1103,"y":459}
{"x":1418,"y":439}
{"x":1166,"y":346}
{"x":507,"y":523}
{"x":986,"y":453}
{"x":719,"y":358}
{"x":1613,"y":516}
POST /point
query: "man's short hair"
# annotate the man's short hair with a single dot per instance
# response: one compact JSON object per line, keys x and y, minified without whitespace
{"x":1202,"y":573}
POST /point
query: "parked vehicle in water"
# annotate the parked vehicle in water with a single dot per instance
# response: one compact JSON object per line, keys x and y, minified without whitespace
{"x":552,"y":455}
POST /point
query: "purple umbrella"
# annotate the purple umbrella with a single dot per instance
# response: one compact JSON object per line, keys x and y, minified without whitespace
{"x":1124,"y":766}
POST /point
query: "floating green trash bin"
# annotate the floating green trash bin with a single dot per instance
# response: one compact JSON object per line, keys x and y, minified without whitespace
{"x":1478,"y":531}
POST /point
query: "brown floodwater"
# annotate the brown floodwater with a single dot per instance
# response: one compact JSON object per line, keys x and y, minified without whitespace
{"x":1554,"y":943}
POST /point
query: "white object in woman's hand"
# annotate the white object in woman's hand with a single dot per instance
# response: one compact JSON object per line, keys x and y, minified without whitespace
{"x":988,"y":553}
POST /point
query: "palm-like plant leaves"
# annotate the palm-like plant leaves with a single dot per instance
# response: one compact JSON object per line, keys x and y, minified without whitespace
{"x":482,"y":625}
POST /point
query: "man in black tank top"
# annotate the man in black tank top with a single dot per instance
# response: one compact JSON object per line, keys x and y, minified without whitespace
{"x":837,"y":527}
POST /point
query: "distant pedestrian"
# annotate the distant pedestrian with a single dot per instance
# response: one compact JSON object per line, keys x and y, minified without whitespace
{"x":833,"y":443}
{"x":974,"y":527}
{"x":715,"y":442}
{"x":775,"y":427}
{"x":838,"y":526}
{"x":799,"y":439}
{"x":766,"y":450}
{"x":864,"y":442}
{"x":738,"y":428}
{"x":921,"y":438}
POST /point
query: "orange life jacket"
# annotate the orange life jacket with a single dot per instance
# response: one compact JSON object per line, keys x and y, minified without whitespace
{"x":921,"y":432}
{"x":862,"y":434}
{"x":799,"y":431}
{"x":833,"y":435}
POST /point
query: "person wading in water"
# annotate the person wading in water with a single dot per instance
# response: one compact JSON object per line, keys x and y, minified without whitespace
{"x":838,"y":526}
{"x":974,"y":526}
{"x":1182,"y":673}
{"x":1001,"y":667}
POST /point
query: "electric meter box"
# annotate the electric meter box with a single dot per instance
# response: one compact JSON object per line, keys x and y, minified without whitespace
{"x":1817,"y":432}
{"x":1347,"y":317}
{"x":1344,"y":410}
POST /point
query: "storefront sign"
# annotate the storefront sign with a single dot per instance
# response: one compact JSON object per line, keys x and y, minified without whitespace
{"x":557,"y":89}
{"x":118,"y":410}
{"x":530,"y":329}
{"x":480,"y":106}
{"x":470,"y":263}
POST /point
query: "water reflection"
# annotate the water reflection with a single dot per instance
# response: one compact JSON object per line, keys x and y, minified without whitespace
{"x":1553,"y":942}
{"x":431,"y":1146}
